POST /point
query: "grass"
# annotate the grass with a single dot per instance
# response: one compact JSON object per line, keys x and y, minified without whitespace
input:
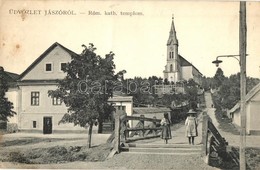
{"x":56,"y":154}
{"x":252,"y":154}
{"x":225,"y":123}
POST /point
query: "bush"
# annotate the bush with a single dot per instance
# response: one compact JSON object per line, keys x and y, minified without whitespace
{"x":17,"y":157}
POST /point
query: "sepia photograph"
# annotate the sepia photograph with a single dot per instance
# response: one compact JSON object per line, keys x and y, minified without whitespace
{"x":95,"y":84}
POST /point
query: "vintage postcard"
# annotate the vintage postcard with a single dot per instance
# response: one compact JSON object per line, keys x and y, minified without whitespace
{"x":164,"y":104}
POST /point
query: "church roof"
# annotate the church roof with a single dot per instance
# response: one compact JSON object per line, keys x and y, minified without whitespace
{"x":184,"y":62}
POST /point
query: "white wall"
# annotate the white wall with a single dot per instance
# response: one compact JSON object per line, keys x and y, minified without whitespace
{"x":45,"y":102}
{"x":31,"y":113}
{"x":187,"y":72}
{"x":56,"y":56}
{"x":254,"y":116}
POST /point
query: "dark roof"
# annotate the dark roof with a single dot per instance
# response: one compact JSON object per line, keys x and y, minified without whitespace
{"x":145,"y":110}
{"x":13,"y":76}
{"x":184,"y":62}
{"x":10,"y":77}
{"x":43,"y":55}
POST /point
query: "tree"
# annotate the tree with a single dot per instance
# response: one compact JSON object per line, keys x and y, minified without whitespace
{"x":191,"y":90}
{"x":5,"y":105}
{"x":219,"y":77}
{"x":229,"y":91}
{"x":86,"y":88}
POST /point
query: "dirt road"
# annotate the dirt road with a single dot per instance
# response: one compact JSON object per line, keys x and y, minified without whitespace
{"x":178,"y":158}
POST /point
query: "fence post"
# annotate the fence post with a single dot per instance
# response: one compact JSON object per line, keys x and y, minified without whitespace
{"x":117,"y":132}
{"x":142,"y":125}
{"x":154,"y":126}
{"x":204,"y":134}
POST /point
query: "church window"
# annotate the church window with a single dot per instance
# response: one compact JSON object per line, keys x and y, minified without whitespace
{"x":171,"y":68}
{"x":171,"y":54}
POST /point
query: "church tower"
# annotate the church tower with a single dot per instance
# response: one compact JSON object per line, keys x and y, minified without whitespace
{"x":172,"y":69}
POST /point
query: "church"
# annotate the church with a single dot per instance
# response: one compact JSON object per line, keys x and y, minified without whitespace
{"x":178,"y":68}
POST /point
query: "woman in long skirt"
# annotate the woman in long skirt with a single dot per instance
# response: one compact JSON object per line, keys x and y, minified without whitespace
{"x":191,"y":126}
{"x":166,"y":130}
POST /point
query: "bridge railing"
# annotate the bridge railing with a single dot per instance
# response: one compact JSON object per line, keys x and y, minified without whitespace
{"x":213,"y":144}
{"x":123,"y":133}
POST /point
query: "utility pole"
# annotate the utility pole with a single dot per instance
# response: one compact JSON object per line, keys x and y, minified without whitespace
{"x":242,"y":53}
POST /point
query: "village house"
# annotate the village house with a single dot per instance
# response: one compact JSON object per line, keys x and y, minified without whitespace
{"x":36,"y":110}
{"x":252,"y":112}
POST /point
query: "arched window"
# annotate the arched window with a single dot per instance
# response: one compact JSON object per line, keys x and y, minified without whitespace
{"x":171,"y":68}
{"x":170,"y":54}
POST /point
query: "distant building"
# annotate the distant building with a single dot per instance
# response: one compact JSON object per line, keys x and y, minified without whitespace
{"x":122,"y":102}
{"x":177,"y":67}
{"x":252,"y":112}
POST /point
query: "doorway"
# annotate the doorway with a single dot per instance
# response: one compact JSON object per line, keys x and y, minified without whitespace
{"x":47,"y":125}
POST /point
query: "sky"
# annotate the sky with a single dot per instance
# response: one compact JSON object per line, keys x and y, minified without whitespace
{"x":204,"y":30}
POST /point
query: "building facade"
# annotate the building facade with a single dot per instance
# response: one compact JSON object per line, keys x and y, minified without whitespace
{"x":252,"y":111}
{"x":37,"y":111}
{"x":178,"y":68}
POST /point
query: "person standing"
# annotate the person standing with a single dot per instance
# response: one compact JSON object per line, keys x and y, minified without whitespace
{"x":166,"y":129}
{"x":191,"y":126}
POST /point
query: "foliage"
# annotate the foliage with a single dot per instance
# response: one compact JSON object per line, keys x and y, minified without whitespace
{"x":86,"y":88}
{"x":143,"y":92}
{"x":218,"y":78}
{"x":5,"y":105}
{"x":229,"y":91}
{"x":191,"y":90}
{"x":207,"y":83}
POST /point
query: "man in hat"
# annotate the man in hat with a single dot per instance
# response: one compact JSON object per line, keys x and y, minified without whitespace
{"x":191,"y":126}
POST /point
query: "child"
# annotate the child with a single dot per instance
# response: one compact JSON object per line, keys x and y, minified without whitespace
{"x":166,"y":130}
{"x":191,"y":126}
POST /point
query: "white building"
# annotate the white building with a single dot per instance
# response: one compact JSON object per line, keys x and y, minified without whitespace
{"x":36,"y":110}
{"x":124,"y":103}
{"x":177,"y":67}
{"x":252,"y":112}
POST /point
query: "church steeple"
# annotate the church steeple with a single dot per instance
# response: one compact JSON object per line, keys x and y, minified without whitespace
{"x":172,"y":69}
{"x":172,"y":37}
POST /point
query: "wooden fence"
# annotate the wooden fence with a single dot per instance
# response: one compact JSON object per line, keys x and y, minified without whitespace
{"x":123,"y":133}
{"x":213,"y":144}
